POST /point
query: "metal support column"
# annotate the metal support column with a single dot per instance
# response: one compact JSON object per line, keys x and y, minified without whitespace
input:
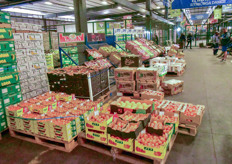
{"x":148,"y":18}
{"x":80,"y":15}
{"x":45,"y":24}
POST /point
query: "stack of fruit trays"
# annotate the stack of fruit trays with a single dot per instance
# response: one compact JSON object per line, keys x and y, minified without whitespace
{"x":94,"y":53}
{"x":96,"y":126}
{"x":150,"y":94}
{"x":107,"y":50}
{"x":54,"y":116}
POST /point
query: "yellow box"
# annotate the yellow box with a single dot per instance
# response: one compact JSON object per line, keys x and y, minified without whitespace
{"x":15,"y":123}
{"x":14,"y":113}
{"x":39,"y":109}
{"x":64,"y":97}
{"x":42,"y":127}
{"x":28,"y":125}
{"x":61,"y":131}
{"x":95,"y":125}
{"x":126,"y":144}
{"x":151,"y":151}
{"x":96,"y":136}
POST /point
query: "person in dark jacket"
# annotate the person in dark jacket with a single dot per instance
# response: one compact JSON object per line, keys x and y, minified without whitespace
{"x":189,"y":40}
{"x":182,"y":40}
{"x":225,"y":41}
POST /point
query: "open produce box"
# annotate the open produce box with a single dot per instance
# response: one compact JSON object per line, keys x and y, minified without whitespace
{"x":156,"y":126}
{"x":150,"y":94}
{"x":124,"y":104}
{"x":192,"y":114}
{"x":132,"y":117}
{"x":98,"y":121}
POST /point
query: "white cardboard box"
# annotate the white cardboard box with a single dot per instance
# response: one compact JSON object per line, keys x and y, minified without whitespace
{"x":18,"y":36}
{"x":33,"y":36}
{"x":35,"y":51}
{"x":20,"y":52}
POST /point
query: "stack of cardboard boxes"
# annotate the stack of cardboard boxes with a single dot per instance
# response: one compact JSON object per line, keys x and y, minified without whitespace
{"x":131,"y":80}
{"x":50,"y":39}
{"x":10,"y":92}
{"x":31,"y":61}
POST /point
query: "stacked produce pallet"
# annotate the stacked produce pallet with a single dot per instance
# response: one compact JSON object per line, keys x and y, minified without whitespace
{"x":73,"y":53}
{"x":84,"y":82}
{"x":135,"y":80}
{"x":172,"y":65}
{"x":10,"y":91}
{"x":31,"y":61}
{"x":50,"y":119}
{"x":134,"y":129}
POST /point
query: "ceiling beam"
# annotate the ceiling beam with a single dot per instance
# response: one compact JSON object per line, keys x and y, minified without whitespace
{"x":134,"y":7}
{"x":110,"y":16}
{"x":9,"y":4}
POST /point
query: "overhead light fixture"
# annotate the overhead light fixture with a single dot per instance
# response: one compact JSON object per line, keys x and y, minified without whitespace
{"x":178,"y":29}
{"x":138,"y":14}
{"x":144,"y":16}
{"x":72,"y":8}
{"x":67,"y":17}
{"x":143,"y":10}
{"x":48,"y":3}
{"x":104,"y":2}
{"x":163,"y":11}
{"x":158,"y":7}
{"x":119,"y":7}
{"x":106,"y":12}
{"x":24,"y":11}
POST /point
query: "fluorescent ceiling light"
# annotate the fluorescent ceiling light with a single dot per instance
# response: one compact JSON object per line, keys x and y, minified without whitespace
{"x":67,"y":17}
{"x":24,"y":11}
{"x":158,"y":7}
{"x":106,"y":12}
{"x":48,"y":3}
{"x":163,"y":10}
{"x":143,"y":10}
{"x":138,"y":14}
{"x":72,"y":8}
{"x":144,"y":16}
{"x":104,"y":2}
{"x":119,"y":7}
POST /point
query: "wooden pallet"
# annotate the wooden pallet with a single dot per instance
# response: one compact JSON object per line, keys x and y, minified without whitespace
{"x":45,"y":141}
{"x":5,"y":25}
{"x":2,"y":132}
{"x":175,"y":73}
{"x":135,"y":95}
{"x":109,"y":95}
{"x":123,"y":155}
{"x":187,"y":129}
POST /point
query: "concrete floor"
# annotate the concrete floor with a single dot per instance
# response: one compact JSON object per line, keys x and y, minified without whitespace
{"x":207,"y":82}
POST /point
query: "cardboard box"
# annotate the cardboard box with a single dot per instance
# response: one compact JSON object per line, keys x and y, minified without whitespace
{"x":19,"y":36}
{"x":192,"y":120}
{"x":95,"y":125}
{"x":6,"y":46}
{"x":12,"y":99}
{"x":147,"y":74}
{"x":10,"y":89}
{"x":150,"y":94}
{"x":3,"y":125}
{"x":152,"y":85}
{"x":125,"y":74}
{"x":172,"y":87}
{"x":7,"y":57}
{"x":115,"y":58}
{"x":8,"y":68}
{"x":5,"y":17}
{"x":42,"y":127}
{"x":33,"y":36}
{"x":15,"y":123}
{"x":115,"y":107}
{"x":6,"y":33}
{"x":21,"y":52}
{"x":125,"y":144}
{"x":35,"y":51}
{"x":131,"y":61}
{"x":156,"y":152}
{"x":98,"y":136}
{"x":40,"y":109}
{"x":125,"y":86}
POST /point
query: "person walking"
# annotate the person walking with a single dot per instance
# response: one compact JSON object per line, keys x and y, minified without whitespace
{"x":182,"y":40}
{"x":216,"y":41}
{"x":225,"y":40}
{"x":189,"y":40}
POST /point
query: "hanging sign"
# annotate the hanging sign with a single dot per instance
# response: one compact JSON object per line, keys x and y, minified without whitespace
{"x":100,"y":27}
{"x":71,"y":37}
{"x":179,"y":18}
{"x":199,"y":16}
{"x":96,"y":37}
{"x":175,"y":13}
{"x":128,"y":19}
{"x":217,"y":14}
{"x":183,"y":4}
{"x":226,"y":8}
{"x":212,"y":20}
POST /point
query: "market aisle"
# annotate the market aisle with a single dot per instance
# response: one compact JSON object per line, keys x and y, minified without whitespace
{"x":207,"y":82}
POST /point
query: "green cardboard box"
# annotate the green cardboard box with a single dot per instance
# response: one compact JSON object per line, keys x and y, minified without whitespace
{"x":7,"y":57}
{"x":8,"y":79}
{"x":6,"y":46}
{"x":6,"y":33}
{"x":1,"y":106}
{"x":12,"y":99}
{"x":10,"y":89}
{"x":3,"y":125}
{"x":8,"y":68}
{"x":4,"y":17}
